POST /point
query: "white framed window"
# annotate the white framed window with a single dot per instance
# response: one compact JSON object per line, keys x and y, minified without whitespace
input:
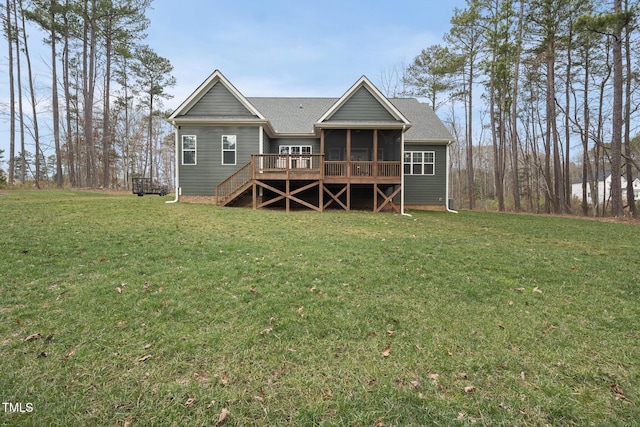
{"x":189,"y":150}
{"x":229,"y":149}
{"x":419,"y":163}
{"x":301,"y":161}
{"x":295,"y":149}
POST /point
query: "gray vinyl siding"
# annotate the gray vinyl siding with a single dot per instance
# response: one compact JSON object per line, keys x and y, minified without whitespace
{"x":219,"y":102}
{"x":362,"y":106}
{"x":201,"y":179}
{"x":427,"y":189}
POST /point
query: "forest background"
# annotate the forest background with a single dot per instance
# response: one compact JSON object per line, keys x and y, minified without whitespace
{"x":539,"y":95}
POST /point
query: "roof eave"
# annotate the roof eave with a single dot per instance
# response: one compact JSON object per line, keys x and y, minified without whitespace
{"x":363,"y":125}
{"x":208,"y":121}
{"x":429,"y":141}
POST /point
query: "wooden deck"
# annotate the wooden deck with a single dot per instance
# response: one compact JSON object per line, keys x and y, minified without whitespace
{"x":313,"y":166}
{"x":310,"y":172}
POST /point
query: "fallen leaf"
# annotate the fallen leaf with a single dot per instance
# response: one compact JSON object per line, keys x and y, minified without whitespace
{"x":69,"y":353}
{"x":145,"y":358}
{"x":267,"y":331}
{"x":461,"y":416}
{"x":520,"y":289}
{"x":536,"y":289}
{"x":300,"y":310}
{"x":148,"y":346}
{"x":49,"y":337}
{"x":522,"y":376}
{"x":386,"y":352}
{"x":470,"y":389}
{"x":312,"y":289}
{"x":463,"y":375}
{"x":272,"y":320}
{"x":190,"y":401}
{"x":119,"y":290}
{"x":223,"y":415}
{"x":391,"y":333}
{"x":258,"y":399}
{"x":33,"y":337}
{"x":224,"y":380}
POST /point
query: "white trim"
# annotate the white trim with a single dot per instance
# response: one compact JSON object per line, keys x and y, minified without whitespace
{"x":447,"y":181}
{"x":366,"y":83}
{"x":177,"y":167}
{"x":402,"y":212}
{"x":423,"y":162}
{"x":194,"y":149}
{"x":214,"y":78}
{"x":228,"y":150}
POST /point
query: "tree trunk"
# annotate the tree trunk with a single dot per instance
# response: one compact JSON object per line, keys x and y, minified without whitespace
{"x":515,"y":183}
{"x":627,"y":121}
{"x":32,"y":93}
{"x":54,"y":95}
{"x":616,"y":131}
{"x":471,"y":187}
{"x":69,"y":140}
{"x":106,"y":122}
{"x":23,"y":157}
{"x":12,"y":96}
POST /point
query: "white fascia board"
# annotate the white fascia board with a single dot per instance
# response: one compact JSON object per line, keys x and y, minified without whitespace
{"x":429,"y":142}
{"x":366,"y":83}
{"x":214,"y":78}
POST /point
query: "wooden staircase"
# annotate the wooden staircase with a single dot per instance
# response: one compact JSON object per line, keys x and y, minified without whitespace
{"x":236,"y":184}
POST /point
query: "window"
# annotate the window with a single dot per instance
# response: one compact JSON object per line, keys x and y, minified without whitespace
{"x":419,"y":163}
{"x":228,"y":149}
{"x":189,"y":150}
{"x":301,"y":162}
{"x":295,"y":149}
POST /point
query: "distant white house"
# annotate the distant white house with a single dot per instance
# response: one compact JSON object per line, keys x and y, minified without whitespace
{"x":604,"y":188}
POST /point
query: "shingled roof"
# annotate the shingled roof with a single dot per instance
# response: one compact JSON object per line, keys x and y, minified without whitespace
{"x":299,"y":115}
{"x":303,"y":116}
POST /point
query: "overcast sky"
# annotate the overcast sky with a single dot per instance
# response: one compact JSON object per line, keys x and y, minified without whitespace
{"x":279,"y":47}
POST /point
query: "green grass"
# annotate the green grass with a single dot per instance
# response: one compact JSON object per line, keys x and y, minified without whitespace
{"x":283,"y":319}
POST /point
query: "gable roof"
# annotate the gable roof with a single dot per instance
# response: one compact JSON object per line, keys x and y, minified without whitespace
{"x":299,"y":116}
{"x":364,"y":84}
{"x":210,"y":84}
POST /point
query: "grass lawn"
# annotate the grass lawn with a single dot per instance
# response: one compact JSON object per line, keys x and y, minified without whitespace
{"x":122,"y":310}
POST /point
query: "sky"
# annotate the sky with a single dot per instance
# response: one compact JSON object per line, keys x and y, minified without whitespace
{"x":276,"y":47}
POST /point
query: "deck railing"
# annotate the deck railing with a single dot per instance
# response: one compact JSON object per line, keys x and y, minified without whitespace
{"x":287,"y":163}
{"x":236,"y":181}
{"x":362,"y":169}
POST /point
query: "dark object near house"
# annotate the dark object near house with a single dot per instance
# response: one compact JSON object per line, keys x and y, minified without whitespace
{"x":142,"y":186}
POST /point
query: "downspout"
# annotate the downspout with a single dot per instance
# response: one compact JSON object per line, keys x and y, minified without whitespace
{"x":177,"y":155}
{"x":447,"y":182}
{"x":402,"y":212}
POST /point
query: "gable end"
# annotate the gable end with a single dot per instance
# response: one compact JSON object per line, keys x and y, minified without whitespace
{"x":362,"y":106}
{"x":219,"y":101}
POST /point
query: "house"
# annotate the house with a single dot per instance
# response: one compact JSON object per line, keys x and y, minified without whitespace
{"x":359,"y":151}
{"x":604,"y":188}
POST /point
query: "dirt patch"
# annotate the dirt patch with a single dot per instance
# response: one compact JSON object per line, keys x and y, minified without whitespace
{"x":207,"y":200}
